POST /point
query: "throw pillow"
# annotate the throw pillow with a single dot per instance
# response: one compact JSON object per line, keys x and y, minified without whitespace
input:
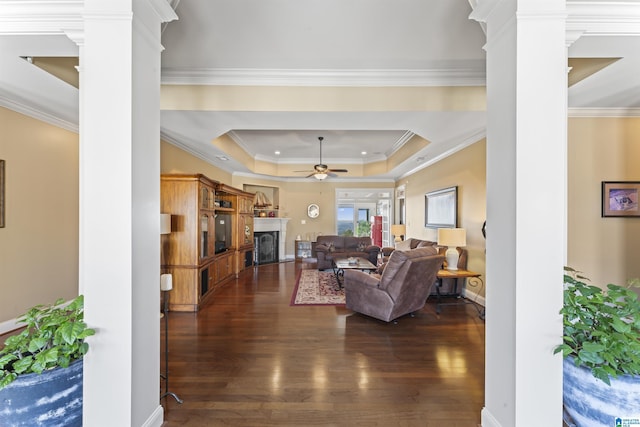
{"x":331,"y":247}
{"x":404,"y":245}
{"x":362,"y":246}
{"x":425,"y":243}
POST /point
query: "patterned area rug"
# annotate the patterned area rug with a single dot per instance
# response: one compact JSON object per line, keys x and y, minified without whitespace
{"x":316,"y":288}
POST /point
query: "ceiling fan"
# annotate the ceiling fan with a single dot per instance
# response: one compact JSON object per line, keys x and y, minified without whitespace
{"x":321,"y":171}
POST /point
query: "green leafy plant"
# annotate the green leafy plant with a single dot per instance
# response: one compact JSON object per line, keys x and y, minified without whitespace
{"x":363,"y":228}
{"x":53,"y":337}
{"x":601,"y":328}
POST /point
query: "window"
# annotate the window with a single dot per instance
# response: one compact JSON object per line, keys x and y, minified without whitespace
{"x":355,"y":209}
{"x":345,"y":220}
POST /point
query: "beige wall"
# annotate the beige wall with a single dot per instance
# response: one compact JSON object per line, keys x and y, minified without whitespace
{"x":602,"y":149}
{"x":176,"y":160}
{"x":39,"y":244}
{"x":467,"y":170}
{"x":296,"y":196}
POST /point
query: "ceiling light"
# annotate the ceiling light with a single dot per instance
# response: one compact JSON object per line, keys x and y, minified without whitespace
{"x":320,"y":176}
{"x":277,"y":153}
{"x":364,"y":153}
{"x":223,"y":158}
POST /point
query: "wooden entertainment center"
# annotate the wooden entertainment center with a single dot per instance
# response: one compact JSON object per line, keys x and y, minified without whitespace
{"x":211,"y":239}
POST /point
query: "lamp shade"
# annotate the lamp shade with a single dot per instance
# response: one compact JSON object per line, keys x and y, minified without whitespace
{"x":398,"y":229}
{"x":165,"y":223}
{"x":166,"y":282}
{"x":452,"y":237}
{"x":320,"y":176}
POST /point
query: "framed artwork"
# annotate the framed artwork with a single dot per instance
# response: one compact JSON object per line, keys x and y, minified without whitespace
{"x":441,"y":208}
{"x":2,"y":194}
{"x":620,"y":198}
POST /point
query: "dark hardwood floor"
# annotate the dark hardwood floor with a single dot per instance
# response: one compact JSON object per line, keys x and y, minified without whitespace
{"x":247,"y":358}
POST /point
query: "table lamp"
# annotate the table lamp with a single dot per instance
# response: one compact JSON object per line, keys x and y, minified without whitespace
{"x":452,"y":238}
{"x":398,"y":231}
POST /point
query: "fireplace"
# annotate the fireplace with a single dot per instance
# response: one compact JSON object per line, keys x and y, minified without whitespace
{"x":266,"y":247}
{"x":273,"y":224}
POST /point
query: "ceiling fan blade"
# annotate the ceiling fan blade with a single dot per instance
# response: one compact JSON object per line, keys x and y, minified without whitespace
{"x":308,"y":170}
{"x":337,"y":170}
{"x":310,"y":175}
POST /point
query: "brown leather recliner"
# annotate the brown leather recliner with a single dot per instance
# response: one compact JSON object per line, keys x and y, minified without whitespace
{"x":402,"y":288}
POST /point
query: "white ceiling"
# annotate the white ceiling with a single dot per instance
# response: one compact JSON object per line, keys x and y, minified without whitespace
{"x":329,"y":43}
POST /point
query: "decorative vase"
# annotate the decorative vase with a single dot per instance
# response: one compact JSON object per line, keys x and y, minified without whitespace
{"x":592,"y":403}
{"x":53,"y":398}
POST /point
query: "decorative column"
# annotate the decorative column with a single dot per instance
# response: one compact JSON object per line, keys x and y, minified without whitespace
{"x":120,"y":208}
{"x":526,"y":209}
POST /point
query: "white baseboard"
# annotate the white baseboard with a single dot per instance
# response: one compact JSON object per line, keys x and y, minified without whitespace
{"x":472,"y":296}
{"x":8,"y":326}
{"x":156,"y":419}
{"x":488,"y":420}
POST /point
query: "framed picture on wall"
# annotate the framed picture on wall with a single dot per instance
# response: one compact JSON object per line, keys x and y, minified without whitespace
{"x":620,"y":198}
{"x":441,"y":208}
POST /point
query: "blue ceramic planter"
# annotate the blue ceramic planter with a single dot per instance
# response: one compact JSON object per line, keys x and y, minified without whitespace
{"x":53,"y":398}
{"x":592,"y":403}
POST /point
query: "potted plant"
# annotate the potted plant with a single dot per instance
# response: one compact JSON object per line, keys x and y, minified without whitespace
{"x":41,"y":366}
{"x":601,"y":347}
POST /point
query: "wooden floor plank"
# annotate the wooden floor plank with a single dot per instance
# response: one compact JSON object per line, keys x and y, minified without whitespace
{"x":247,"y":358}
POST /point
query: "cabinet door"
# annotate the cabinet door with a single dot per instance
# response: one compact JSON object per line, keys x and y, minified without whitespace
{"x":245,"y":237}
{"x":207,"y":235}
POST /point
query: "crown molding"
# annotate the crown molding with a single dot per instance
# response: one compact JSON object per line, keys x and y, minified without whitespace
{"x":468,"y":74}
{"x":604,"y":112}
{"x":601,"y":17}
{"x":38,"y":114}
{"x":40,"y":17}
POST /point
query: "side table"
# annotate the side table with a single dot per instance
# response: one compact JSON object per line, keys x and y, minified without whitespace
{"x":457,"y":274}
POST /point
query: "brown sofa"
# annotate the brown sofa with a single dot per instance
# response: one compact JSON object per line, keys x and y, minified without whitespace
{"x":405,"y":245}
{"x":447,"y":285}
{"x":329,"y":248}
{"x":403,"y":287}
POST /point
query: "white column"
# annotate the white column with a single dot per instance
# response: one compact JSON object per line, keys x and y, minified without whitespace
{"x":120,"y":210}
{"x":526,"y":197}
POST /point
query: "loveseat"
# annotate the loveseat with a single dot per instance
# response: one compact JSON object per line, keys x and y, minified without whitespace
{"x":329,"y":248}
{"x":405,"y":245}
{"x":447,"y":285}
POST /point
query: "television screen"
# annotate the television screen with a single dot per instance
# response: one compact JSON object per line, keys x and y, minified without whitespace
{"x":223,"y":232}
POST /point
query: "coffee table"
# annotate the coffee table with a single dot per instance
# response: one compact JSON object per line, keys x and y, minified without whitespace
{"x":354,"y":263}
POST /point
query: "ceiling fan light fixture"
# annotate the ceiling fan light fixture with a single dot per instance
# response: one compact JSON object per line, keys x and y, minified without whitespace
{"x":320,"y":176}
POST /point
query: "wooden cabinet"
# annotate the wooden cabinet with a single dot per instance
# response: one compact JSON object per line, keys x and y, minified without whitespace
{"x":204,"y":248}
{"x":245,"y":231}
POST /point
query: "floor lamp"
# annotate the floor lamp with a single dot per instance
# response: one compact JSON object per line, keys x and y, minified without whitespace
{"x":166,"y":284}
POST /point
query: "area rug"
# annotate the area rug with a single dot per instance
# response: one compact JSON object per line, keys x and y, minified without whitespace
{"x":316,"y":288}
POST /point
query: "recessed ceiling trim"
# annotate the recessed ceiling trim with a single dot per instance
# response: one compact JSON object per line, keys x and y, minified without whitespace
{"x":400,"y":143}
{"x":314,"y":181}
{"x":443,"y":152}
{"x":471,"y":73}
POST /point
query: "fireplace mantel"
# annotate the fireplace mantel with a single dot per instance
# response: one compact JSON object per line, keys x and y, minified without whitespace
{"x":273,"y":224}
